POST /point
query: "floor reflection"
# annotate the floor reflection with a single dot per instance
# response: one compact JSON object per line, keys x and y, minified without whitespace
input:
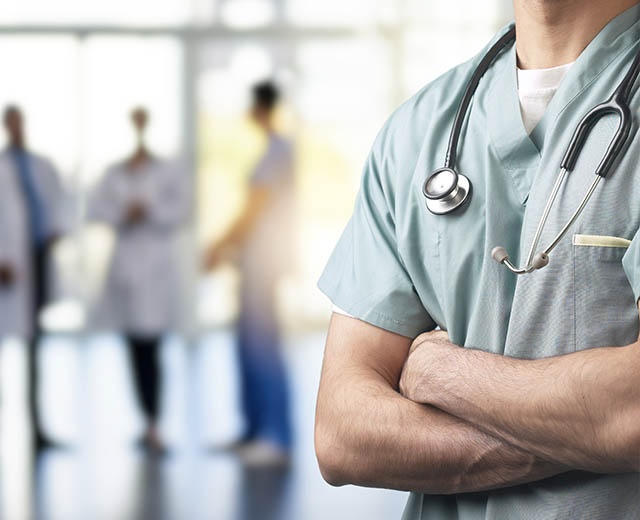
{"x":262,"y":493}
{"x":89,"y":406}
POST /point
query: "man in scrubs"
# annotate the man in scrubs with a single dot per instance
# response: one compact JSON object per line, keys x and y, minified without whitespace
{"x":528,"y":406}
{"x":261,"y":238}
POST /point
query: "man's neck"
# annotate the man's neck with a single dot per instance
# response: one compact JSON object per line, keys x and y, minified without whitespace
{"x":555,"y":32}
{"x":17,"y":145}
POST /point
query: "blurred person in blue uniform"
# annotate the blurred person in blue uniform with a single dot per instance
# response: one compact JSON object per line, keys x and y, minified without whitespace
{"x":262,"y":238}
{"x":145,"y":200}
{"x":31,"y":219}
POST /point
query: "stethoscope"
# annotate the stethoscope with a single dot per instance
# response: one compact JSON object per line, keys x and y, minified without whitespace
{"x":447,"y":190}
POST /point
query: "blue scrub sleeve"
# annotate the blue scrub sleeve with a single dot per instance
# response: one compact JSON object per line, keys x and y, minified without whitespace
{"x":631,"y":265}
{"x":365,"y":275}
{"x":276,"y":166}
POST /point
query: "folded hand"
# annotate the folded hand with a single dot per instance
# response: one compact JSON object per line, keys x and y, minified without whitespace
{"x":421,"y":369}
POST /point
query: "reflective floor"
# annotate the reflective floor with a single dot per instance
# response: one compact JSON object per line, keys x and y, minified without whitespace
{"x":89,"y":406}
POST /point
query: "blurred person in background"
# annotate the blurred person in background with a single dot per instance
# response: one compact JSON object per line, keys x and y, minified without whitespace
{"x":262,"y":238}
{"x":31,"y":220}
{"x":145,"y":200}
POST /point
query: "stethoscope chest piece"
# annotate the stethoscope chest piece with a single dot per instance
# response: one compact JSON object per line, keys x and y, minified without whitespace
{"x":445,"y":191}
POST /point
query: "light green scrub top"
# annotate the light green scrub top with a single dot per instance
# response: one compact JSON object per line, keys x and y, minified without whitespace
{"x":403,"y":269}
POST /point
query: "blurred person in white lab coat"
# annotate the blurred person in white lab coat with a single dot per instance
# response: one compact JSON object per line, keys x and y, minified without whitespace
{"x":146,"y":200}
{"x":31,"y":220}
{"x":262,"y":238}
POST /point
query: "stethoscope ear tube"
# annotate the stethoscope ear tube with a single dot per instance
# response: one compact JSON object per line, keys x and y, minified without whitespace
{"x":617,"y":104}
{"x":588,"y":123}
{"x":618,"y":143}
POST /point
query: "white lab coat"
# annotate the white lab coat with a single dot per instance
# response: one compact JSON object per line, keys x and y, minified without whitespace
{"x":16,"y":301}
{"x":140,"y":293}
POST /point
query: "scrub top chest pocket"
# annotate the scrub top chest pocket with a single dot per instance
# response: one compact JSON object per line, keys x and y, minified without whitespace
{"x":606,"y":311}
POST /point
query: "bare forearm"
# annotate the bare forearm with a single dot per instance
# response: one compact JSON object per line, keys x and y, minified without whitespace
{"x":367,"y":434}
{"x":580,"y":410}
{"x":239,"y":230}
{"x":246,"y":221}
{"x":234,"y":236}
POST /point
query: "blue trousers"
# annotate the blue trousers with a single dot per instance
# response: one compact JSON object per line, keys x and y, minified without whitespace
{"x":264,"y":385}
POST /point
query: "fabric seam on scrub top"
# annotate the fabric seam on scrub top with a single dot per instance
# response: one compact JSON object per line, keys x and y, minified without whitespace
{"x":443,"y":295}
{"x":521,"y":194}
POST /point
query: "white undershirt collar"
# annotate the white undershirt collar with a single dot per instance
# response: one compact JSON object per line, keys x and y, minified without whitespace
{"x":536,"y":88}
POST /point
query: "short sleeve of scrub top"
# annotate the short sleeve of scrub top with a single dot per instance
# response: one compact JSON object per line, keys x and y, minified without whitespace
{"x":631,"y":265}
{"x":365,"y":275}
{"x":275,"y":166}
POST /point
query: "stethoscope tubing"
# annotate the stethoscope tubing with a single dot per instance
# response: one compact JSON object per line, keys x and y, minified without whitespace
{"x":463,"y":108}
{"x":530,"y":267}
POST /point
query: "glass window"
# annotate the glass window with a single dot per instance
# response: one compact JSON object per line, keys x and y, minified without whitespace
{"x":345,"y":92}
{"x":430,"y":53}
{"x":40,"y":74}
{"x":113,"y":12}
{"x":120,"y":73}
{"x":244,"y":14}
{"x":468,"y":13}
{"x":331,"y":13}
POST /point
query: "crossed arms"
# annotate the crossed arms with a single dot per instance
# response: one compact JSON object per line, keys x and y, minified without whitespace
{"x":432,"y":417}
